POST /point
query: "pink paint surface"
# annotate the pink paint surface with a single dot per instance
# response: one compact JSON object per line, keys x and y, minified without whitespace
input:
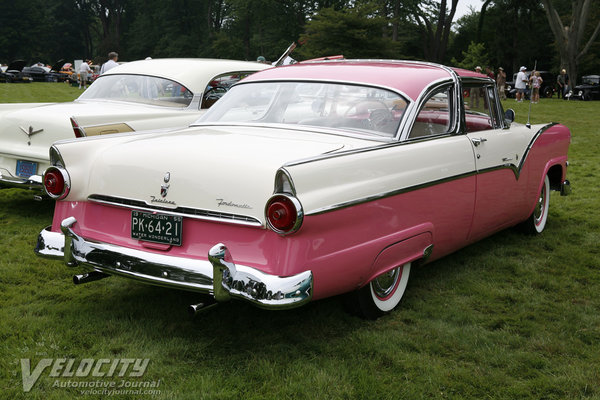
{"x":347,"y":247}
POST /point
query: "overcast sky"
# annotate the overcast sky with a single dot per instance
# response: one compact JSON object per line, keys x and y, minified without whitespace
{"x":462,"y":8}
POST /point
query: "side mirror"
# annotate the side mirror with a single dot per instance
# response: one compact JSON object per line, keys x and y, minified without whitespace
{"x":509,"y":116}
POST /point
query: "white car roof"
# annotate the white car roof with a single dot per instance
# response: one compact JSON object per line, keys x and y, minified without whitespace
{"x":193,"y":73}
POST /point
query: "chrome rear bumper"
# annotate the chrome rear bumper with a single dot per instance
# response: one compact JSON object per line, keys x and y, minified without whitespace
{"x":230,"y":280}
{"x":34,"y":182}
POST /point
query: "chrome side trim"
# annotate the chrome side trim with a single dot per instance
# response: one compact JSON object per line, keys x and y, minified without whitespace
{"x":231,"y":280}
{"x":515,"y":169}
{"x":388,"y":194}
{"x":187,"y":212}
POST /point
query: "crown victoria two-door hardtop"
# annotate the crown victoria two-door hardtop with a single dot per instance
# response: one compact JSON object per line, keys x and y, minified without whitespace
{"x":305,"y":182}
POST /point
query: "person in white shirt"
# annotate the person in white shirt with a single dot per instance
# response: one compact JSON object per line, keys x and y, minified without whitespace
{"x":521,"y":83}
{"x":84,"y":71}
{"x":111,"y":63}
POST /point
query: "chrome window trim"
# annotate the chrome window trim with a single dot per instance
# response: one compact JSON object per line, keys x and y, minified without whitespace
{"x":186,"y":212}
{"x":453,"y":109}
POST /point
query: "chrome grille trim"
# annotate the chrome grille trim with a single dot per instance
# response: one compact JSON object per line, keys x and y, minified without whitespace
{"x":186,"y":212}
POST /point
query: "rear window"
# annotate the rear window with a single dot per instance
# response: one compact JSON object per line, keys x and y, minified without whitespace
{"x":351,"y":108}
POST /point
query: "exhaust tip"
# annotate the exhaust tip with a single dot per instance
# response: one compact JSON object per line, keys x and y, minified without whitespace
{"x":89,"y":277}
{"x":196,"y":309}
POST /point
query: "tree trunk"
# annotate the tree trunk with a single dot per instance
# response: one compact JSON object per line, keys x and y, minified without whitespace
{"x":569,"y":38}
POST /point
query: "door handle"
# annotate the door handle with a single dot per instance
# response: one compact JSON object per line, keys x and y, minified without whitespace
{"x":478,"y":141}
{"x":505,"y":159}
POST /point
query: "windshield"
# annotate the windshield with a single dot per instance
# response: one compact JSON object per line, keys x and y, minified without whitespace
{"x":361,"y":109}
{"x":591,"y":80}
{"x":139,"y":89}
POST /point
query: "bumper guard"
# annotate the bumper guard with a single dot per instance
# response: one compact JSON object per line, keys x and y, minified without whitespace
{"x":230,"y":280}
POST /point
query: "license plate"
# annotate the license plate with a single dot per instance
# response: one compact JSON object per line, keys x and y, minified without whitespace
{"x":157,"y":228}
{"x":26,"y":168}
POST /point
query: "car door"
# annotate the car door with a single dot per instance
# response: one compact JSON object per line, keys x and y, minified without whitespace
{"x":498,"y":150}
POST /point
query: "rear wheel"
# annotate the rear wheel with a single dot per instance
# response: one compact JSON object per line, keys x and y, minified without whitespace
{"x":536,"y":222}
{"x":381,"y":295}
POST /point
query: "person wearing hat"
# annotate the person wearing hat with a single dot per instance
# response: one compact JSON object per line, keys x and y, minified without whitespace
{"x":521,"y":83}
{"x":261,"y":60}
{"x":501,"y":83}
{"x":563,"y":83}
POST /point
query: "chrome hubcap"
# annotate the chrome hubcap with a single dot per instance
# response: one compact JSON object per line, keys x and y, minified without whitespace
{"x":385,"y":283}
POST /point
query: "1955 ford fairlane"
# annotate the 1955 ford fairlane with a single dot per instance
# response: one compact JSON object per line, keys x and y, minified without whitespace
{"x":305,"y":182}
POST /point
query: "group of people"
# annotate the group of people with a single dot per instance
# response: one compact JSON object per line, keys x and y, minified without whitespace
{"x":85,"y":71}
{"x":533,"y":80}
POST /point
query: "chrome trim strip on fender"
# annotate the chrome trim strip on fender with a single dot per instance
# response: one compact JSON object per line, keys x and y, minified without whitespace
{"x":235,"y":281}
{"x":516,"y":170}
{"x":187,"y":212}
{"x":388,"y":194}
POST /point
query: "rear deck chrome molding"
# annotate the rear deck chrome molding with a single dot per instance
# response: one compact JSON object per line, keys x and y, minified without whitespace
{"x":187,"y":212}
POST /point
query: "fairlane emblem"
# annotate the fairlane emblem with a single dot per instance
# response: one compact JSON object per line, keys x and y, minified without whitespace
{"x":164,"y":188}
{"x":30,"y":132}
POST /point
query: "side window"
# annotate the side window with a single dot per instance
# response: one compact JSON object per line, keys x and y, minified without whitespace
{"x":219,"y":85}
{"x":480,"y":107}
{"x":435,"y":116}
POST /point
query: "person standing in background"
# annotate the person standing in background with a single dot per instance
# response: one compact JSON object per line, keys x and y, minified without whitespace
{"x":521,"y":84}
{"x":563,"y":83}
{"x":536,"y":82}
{"x":84,"y":71}
{"x":501,"y":83}
{"x":111,"y":63}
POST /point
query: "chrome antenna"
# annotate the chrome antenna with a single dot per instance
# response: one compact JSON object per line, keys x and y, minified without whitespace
{"x":528,"y":124}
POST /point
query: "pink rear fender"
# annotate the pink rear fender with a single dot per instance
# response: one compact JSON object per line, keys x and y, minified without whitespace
{"x":547,"y":156}
{"x":344,"y":248}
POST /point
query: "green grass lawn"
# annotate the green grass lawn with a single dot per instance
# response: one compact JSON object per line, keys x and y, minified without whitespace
{"x":511,"y":317}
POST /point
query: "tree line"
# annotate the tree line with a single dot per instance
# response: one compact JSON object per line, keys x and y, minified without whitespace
{"x":507,"y":33}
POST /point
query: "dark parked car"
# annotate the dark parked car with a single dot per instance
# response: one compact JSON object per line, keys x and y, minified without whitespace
{"x":589,"y":89}
{"x":547,"y":90}
{"x":41,"y":73}
{"x":14,"y":73}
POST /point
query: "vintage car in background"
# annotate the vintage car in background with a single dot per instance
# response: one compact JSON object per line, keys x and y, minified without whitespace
{"x":14,"y":73}
{"x":304,"y":182}
{"x":547,"y":89}
{"x":40,"y":72}
{"x":589,"y":89}
{"x":148,"y":94}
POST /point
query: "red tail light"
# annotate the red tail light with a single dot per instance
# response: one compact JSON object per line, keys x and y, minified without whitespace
{"x":77,"y":129}
{"x":56,"y":182}
{"x":284,"y":214}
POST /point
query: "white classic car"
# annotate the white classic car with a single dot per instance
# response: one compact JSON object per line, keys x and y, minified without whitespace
{"x":304,"y":182}
{"x":141,"y":95}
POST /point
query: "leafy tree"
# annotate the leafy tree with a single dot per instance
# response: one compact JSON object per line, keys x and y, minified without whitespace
{"x":353,"y":32}
{"x":474,"y":56}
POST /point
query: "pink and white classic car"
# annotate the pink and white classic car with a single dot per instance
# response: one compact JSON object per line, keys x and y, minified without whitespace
{"x":304,"y":182}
